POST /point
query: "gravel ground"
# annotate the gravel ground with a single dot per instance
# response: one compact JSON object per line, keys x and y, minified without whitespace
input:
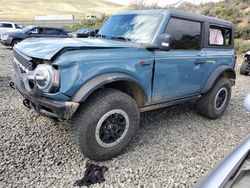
{"x":175,"y":146}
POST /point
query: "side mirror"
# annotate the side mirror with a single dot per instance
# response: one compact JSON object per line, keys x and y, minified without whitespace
{"x":164,"y":42}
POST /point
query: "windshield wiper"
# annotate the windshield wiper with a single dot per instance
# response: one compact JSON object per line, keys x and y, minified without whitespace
{"x":120,"y":38}
{"x":114,"y":37}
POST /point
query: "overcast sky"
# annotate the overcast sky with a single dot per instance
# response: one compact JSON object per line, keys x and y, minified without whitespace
{"x":163,"y":2}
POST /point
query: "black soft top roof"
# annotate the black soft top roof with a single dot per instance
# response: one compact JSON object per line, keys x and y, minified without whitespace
{"x":182,"y":14}
{"x":199,"y":17}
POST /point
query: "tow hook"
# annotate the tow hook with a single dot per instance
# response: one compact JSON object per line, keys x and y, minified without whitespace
{"x":12,"y":85}
{"x":26,"y":103}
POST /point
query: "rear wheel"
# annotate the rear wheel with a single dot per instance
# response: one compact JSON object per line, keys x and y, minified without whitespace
{"x":213,"y":104}
{"x":244,"y":67}
{"x":105,"y":124}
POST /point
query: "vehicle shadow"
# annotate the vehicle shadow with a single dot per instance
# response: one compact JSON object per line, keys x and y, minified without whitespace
{"x":167,"y":112}
{"x":163,"y":121}
{"x":2,"y":47}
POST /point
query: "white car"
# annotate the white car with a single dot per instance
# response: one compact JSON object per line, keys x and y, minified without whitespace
{"x":9,"y":27}
{"x":234,"y":170}
{"x":246,"y":103}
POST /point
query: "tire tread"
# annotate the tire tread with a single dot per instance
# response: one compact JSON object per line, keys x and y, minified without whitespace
{"x":88,"y":110}
{"x":205,"y":105}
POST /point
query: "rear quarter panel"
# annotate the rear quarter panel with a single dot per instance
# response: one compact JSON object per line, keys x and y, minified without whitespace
{"x":218,"y":61}
{"x":217,"y":57}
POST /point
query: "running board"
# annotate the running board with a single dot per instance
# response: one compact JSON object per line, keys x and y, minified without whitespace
{"x":169,"y":103}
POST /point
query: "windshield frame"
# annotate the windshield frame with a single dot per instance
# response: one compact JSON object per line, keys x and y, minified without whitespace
{"x":115,"y":37}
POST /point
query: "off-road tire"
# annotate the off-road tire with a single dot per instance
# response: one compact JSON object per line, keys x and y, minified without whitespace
{"x":206,"y":104}
{"x":85,"y":120}
{"x":243,"y":67}
{"x":14,"y":42}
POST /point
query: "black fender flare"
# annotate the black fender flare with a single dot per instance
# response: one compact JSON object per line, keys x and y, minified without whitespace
{"x":90,"y":86}
{"x":216,"y":74}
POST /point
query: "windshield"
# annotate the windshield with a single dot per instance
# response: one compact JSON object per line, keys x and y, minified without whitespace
{"x":137,"y":28}
{"x":26,"y":29}
{"x":83,"y":31}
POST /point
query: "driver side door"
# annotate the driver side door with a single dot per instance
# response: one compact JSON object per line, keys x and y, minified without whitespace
{"x":180,"y":72}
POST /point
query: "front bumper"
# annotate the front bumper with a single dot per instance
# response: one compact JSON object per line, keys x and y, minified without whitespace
{"x":48,"y":107}
{"x":6,"y":42}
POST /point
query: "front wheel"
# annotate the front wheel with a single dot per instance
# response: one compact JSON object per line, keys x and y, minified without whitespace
{"x":105,"y":124}
{"x":14,"y":42}
{"x":213,"y":103}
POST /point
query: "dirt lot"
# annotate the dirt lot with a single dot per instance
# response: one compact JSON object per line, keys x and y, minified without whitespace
{"x":175,"y":146}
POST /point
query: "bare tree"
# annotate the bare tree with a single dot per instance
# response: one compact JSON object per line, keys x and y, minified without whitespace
{"x":141,"y":4}
{"x":137,"y":4}
{"x":154,"y":6}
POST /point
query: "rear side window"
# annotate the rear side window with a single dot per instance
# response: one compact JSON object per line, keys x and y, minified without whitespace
{"x":184,"y":34}
{"x":219,"y":36}
{"x":6,"y":25}
{"x":62,"y":32}
{"x":51,"y":31}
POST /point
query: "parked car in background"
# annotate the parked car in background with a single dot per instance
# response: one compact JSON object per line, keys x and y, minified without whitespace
{"x":85,"y":33}
{"x":234,"y":170}
{"x":12,"y":38}
{"x":9,"y":27}
{"x":245,"y":66}
{"x":140,"y":60}
{"x":70,"y":33}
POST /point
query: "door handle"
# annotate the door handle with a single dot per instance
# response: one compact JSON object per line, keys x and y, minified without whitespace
{"x":199,"y":62}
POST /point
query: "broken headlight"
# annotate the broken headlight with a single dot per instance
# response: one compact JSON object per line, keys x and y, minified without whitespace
{"x":45,"y":77}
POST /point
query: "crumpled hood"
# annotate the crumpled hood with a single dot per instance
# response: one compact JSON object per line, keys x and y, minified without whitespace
{"x":46,"y":48}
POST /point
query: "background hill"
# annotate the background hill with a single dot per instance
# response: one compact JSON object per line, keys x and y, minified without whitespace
{"x":27,"y":9}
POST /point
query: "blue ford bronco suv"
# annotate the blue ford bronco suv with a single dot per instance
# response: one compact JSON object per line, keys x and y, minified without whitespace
{"x":139,"y":61}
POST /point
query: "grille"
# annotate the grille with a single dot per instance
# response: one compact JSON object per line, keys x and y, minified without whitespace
{"x":24,"y":60}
